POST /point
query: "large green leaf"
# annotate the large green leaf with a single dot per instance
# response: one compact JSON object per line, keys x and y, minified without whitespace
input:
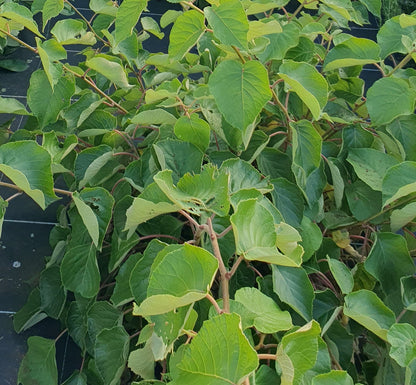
{"x":50,"y":9}
{"x":401,"y":217}
{"x":399,"y":181}
{"x":142,"y":362}
{"x":390,"y":36}
{"x":194,"y":130}
{"x":111,"y":352}
{"x":370,"y":165}
{"x":289,"y":200}
{"x":139,"y":276}
{"x":229,"y":22}
{"x":388,"y":261}
{"x":307,"y":83}
{"x":219,"y":354}
{"x":257,"y":237}
{"x":12,"y":106}
{"x":293,"y":287}
{"x":363,"y":201}
{"x":186,"y":31}
{"x":79,"y":270}
{"x":52,"y":292}
{"x":178,"y":278}
{"x":402,"y":129}
{"x":39,"y":364}
{"x":240,"y":91}
{"x":110,"y":69}
{"x":342,"y":275}
{"x":306,"y":153}
{"x":46,"y":103}
{"x":207,"y":191}
{"x":389,"y":98}
{"x":351,"y":52}
{"x":20,"y":14}
{"x":364,"y":307}
{"x":243,"y":176}
{"x":95,"y":206}
{"x":30,"y":314}
{"x":32,"y":173}
{"x":334,"y":377}
{"x":180,"y":157}
{"x":127,"y":16}
{"x":267,"y":316}
{"x":70,"y":31}
{"x":280,"y":43}
{"x":402,"y":338}
{"x":297,"y":353}
{"x":94,"y":165}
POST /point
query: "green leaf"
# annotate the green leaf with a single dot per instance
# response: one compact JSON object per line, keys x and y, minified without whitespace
{"x":79,"y":270}
{"x":399,"y":181}
{"x":351,"y":52}
{"x":32,"y":173}
{"x":46,"y":103}
{"x":12,"y":106}
{"x":289,"y":200}
{"x":194,"y":130}
{"x":307,"y":83}
{"x":52,"y":292}
{"x":76,"y":378}
{"x":39,"y":364}
{"x":363,"y":201}
{"x":388,"y":270}
{"x":370,"y":165}
{"x":334,"y":377}
{"x":306,"y":153}
{"x":142,"y":362}
{"x":311,"y":237}
{"x":110,"y":352}
{"x":20,"y":14}
{"x":95,"y":205}
{"x":229,"y":22}
{"x":402,"y":338}
{"x":157,"y":116}
{"x":408,"y":291}
{"x":259,"y":28}
{"x":51,"y":51}
{"x":139,"y":276}
{"x":30,"y":314}
{"x":50,"y":9}
{"x":111,"y":70}
{"x":207,"y":191}
{"x":208,"y":356}
{"x":390,"y":37}
{"x":257,"y":237}
{"x":280,"y":43}
{"x":106,"y":7}
{"x":94,"y":165}
{"x":364,"y":307}
{"x":178,"y":278}
{"x":342,"y":275}
{"x":122,"y":293}
{"x":388,"y":98}
{"x":150,"y":25}
{"x":297,"y":353}
{"x":267,"y":316}
{"x":293,"y":287}
{"x":70,"y":31}
{"x":402,"y":130}
{"x":373,"y":6}
{"x":186,"y":31}
{"x":240,"y":91}
{"x":127,"y":16}
{"x":243,"y":176}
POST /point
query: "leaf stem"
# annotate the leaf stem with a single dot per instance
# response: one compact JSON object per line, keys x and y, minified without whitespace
{"x":211,"y":299}
{"x":60,"y":335}
{"x":403,"y":62}
{"x":21,"y":42}
{"x":191,"y":5}
{"x":224,"y":232}
{"x":13,"y":196}
{"x":237,"y":51}
{"x":266,"y":356}
{"x":282,"y":107}
{"x":223,"y":271}
{"x":14,"y":187}
{"x":235,"y":266}
{"x":92,"y":84}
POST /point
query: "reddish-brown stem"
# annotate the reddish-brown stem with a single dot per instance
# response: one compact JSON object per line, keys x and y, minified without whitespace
{"x":224,"y":232}
{"x":214,"y":303}
{"x":235,"y":266}
{"x":13,"y":196}
{"x":60,"y":335}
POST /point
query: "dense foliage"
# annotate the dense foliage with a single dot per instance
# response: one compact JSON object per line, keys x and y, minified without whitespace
{"x":237,"y":211}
